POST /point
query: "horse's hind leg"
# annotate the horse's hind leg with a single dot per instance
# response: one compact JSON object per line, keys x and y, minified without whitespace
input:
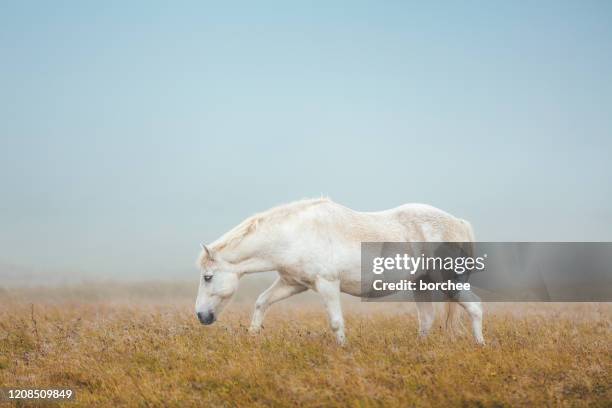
{"x":426,"y":312}
{"x":471,"y":303}
{"x":279,"y":290}
{"x":330,"y":291}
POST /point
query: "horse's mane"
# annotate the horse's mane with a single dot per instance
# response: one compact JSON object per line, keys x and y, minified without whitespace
{"x":251,"y":224}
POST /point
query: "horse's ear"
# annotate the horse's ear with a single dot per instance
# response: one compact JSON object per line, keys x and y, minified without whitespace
{"x":207,"y":250}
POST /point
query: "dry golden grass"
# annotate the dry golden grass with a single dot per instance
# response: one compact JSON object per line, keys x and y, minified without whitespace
{"x":157,"y":354}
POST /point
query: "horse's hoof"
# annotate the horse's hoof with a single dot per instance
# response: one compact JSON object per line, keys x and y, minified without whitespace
{"x":423,"y":335}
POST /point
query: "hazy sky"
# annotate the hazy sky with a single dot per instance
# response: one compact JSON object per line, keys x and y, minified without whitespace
{"x":131,"y":132}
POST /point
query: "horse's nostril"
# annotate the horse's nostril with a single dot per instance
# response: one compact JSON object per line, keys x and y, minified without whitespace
{"x":206,"y":318}
{"x":210,"y":318}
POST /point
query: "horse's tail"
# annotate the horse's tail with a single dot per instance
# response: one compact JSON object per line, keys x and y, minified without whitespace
{"x":452,"y":309}
{"x":469,"y":231}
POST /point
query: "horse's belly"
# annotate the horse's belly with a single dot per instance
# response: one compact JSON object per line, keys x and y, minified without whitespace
{"x":350,"y":282}
{"x":351,"y":288}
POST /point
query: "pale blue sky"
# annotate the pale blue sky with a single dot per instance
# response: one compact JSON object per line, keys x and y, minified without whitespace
{"x":129,"y":133}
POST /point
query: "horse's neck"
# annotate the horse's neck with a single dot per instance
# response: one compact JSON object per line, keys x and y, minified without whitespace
{"x":248,"y":257}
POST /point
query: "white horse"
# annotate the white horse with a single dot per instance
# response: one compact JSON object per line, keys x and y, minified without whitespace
{"x":316,"y":244}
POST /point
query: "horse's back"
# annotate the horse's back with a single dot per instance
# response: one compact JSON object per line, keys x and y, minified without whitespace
{"x":409,"y":222}
{"x":424,"y":223}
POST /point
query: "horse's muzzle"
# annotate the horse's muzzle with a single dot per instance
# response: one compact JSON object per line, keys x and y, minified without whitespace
{"x":206,"y":318}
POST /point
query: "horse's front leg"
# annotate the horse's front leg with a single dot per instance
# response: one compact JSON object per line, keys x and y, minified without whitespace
{"x":279,"y":290}
{"x":330,"y":291}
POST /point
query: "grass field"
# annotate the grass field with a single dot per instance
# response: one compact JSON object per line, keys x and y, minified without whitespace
{"x":117,"y":353}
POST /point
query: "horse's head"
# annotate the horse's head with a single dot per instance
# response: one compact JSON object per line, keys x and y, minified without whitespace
{"x":217,"y":285}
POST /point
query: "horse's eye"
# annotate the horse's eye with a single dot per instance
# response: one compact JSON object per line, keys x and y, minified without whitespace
{"x":207,"y":278}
